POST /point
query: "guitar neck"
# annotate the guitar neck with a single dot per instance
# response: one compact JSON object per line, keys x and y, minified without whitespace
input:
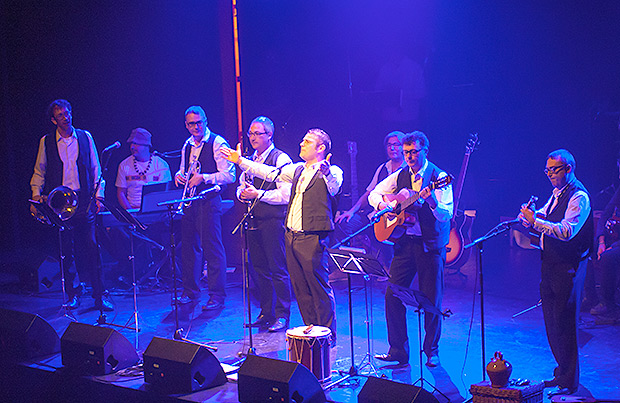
{"x":459,"y":184}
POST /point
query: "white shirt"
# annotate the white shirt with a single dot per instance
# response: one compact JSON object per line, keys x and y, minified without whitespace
{"x":128,"y":177}
{"x":225,"y":169}
{"x":68,"y":150}
{"x":443,"y":211}
{"x":333,"y":181}
{"x":576,"y":214}
{"x":278,"y":196}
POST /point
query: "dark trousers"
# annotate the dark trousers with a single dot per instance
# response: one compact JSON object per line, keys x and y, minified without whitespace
{"x":201,"y":239}
{"x":411,"y":259}
{"x":560,"y":290}
{"x":269,"y":273}
{"x":607,"y":275}
{"x":79,"y":245}
{"x":306,"y":259}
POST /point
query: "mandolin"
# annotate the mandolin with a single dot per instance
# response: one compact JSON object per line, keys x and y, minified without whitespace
{"x":390,"y":229}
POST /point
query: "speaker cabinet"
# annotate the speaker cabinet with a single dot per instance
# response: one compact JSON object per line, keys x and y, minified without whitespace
{"x":94,"y":350}
{"x":379,"y":390}
{"x":25,"y":336}
{"x":263,"y":379}
{"x":172,"y":366}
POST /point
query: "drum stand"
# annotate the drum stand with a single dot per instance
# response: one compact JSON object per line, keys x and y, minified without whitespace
{"x":124,"y":217}
{"x":356,"y":261}
{"x":57,"y":222}
{"x":422,"y":305}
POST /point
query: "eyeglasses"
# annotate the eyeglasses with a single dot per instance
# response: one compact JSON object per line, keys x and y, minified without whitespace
{"x":198,"y":123}
{"x":553,"y":170}
{"x":394,"y":145}
{"x":413,"y":152}
{"x":256,"y":134}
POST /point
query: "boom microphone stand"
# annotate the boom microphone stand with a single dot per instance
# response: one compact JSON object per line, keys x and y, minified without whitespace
{"x":498,"y":229}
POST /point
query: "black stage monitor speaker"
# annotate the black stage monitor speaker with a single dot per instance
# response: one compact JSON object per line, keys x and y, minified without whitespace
{"x":172,"y":366}
{"x":263,"y":379}
{"x":25,"y":336}
{"x":94,"y":350}
{"x":379,"y":390}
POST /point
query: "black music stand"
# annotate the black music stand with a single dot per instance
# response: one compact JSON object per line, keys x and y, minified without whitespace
{"x":422,"y":304}
{"x":125,"y":217}
{"x":356,"y":261}
{"x":57,"y":222}
{"x":173,"y":210}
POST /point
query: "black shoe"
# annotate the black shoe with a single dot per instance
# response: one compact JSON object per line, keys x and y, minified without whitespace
{"x":390,"y":358}
{"x":73,"y":303}
{"x":186,"y":299}
{"x":263,"y":321}
{"x":103,"y":304}
{"x":551,"y":383}
{"x":433,"y":361}
{"x":560,"y":390}
{"x":213,"y":304}
{"x":279,"y":324}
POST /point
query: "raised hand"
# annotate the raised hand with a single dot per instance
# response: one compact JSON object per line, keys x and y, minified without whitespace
{"x":325,"y":165}
{"x":230,"y":154}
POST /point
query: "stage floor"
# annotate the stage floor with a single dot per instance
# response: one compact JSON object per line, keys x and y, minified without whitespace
{"x":511,"y":279}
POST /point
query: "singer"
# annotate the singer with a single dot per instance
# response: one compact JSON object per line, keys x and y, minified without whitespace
{"x":69,"y":157}
{"x":309,"y":221}
{"x":421,"y":251}
{"x":201,"y":224}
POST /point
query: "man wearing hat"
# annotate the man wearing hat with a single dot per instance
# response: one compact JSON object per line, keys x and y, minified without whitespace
{"x":139,"y":168}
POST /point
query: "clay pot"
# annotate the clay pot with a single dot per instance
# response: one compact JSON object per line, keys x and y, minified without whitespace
{"x":499,"y":371}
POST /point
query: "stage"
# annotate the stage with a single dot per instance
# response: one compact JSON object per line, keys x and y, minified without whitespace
{"x":511,"y":285}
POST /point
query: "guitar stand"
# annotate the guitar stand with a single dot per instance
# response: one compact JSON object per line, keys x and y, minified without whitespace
{"x":422,"y":305}
{"x":356,"y":261}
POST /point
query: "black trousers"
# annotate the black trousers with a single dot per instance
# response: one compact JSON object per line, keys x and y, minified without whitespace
{"x":607,"y":277}
{"x":201,"y":239}
{"x":79,"y":245}
{"x":269,"y":273}
{"x":306,"y":259}
{"x":560,"y":290}
{"x":410,"y":259}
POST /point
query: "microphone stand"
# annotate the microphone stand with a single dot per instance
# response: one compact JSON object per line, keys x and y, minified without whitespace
{"x":245,"y":262}
{"x":498,"y":229}
{"x":172,"y":211}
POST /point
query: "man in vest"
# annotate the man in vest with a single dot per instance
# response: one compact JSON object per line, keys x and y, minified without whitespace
{"x":201,"y":224}
{"x":266,"y":232}
{"x":421,"y":251}
{"x":567,"y":235}
{"x":69,"y":158}
{"x":309,"y":220}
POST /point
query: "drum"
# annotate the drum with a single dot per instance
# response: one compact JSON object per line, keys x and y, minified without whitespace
{"x":311,"y":349}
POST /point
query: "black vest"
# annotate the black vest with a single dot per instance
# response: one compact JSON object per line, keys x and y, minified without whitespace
{"x":383,"y":173}
{"x":54,"y":167}
{"x":265,"y":210}
{"x":581,"y":245}
{"x":207,"y":161}
{"x":318,"y":206}
{"x":435,"y":234}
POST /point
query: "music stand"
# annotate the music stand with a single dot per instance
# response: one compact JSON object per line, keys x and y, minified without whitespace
{"x":125,"y":217}
{"x":422,"y":304}
{"x":356,"y":261}
{"x":57,"y":222}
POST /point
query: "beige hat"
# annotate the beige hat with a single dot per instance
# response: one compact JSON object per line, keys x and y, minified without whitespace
{"x":140,"y":136}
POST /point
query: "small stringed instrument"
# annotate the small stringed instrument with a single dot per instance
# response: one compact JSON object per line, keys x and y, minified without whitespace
{"x":460,"y":225}
{"x":534,"y":235}
{"x":390,"y":229}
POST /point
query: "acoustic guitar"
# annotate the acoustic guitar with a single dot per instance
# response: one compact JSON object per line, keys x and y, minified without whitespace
{"x":461,"y":223}
{"x":390,"y":229}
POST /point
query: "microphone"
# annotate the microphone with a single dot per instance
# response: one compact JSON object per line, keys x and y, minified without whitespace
{"x":512,"y":222}
{"x":214,"y":189}
{"x":111,"y":147}
{"x":279,"y":170}
{"x":158,"y":154}
{"x":380,"y":213}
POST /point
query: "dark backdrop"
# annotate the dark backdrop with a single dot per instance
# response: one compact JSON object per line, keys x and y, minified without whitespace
{"x":529,"y":77}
